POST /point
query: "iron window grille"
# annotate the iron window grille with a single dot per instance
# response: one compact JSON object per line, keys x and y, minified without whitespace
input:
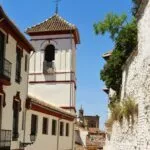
{"x":5,"y":139}
{"x":5,"y":69}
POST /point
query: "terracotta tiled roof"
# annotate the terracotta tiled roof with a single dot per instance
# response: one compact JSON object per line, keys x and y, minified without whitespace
{"x":94,"y":130}
{"x":50,"y":106}
{"x":55,"y":23}
{"x":95,"y":140}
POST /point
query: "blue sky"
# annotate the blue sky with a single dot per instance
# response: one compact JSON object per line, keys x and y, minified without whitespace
{"x":82,"y":13}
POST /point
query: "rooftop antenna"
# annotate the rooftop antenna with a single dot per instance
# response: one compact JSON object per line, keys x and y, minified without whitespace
{"x":57,"y":3}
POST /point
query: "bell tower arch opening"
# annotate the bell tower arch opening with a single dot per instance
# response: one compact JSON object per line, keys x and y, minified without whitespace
{"x":49,"y":55}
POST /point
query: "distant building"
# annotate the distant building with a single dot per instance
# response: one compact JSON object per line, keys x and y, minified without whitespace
{"x":92,"y":121}
{"x":88,"y":129}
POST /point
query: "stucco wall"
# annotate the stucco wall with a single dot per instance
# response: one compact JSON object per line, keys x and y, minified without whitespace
{"x":136,"y":84}
{"x":54,"y":93}
{"x":10,"y":91}
{"x":59,"y":87}
{"x":47,"y":142}
{"x":65,"y":49}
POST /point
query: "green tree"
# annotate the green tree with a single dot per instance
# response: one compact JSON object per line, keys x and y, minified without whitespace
{"x":112,"y":24}
{"x":124,"y":35}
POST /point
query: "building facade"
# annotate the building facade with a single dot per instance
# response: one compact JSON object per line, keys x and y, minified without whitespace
{"x":52,"y":127}
{"x":38,"y":101}
{"x":89,"y":136}
{"x":14,"y":66}
{"x":52,"y":85}
{"x":53,"y":65}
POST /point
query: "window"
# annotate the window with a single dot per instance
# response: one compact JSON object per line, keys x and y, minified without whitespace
{"x":34,"y":124}
{"x":15,"y":119}
{"x":18,"y":64}
{"x":45,"y":126}
{"x":67,"y":129}
{"x":61,"y":128}
{"x":54,"y":126}
{"x":50,"y":53}
{"x":26,"y":63}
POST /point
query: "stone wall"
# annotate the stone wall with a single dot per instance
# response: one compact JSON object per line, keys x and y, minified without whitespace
{"x":136,"y":84}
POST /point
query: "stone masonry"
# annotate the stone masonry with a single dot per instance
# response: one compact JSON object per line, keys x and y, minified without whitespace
{"x":136,"y":84}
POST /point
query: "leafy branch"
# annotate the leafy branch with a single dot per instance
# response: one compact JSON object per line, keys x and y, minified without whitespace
{"x":124,"y":35}
{"x":112,"y":24}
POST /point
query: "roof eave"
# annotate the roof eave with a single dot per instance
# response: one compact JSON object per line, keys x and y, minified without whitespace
{"x":75,"y":32}
{"x":53,"y":108}
{"x":16,"y":30}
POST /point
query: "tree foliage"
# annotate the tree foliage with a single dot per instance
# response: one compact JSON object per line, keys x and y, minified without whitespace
{"x":112,"y":24}
{"x":124,"y":35}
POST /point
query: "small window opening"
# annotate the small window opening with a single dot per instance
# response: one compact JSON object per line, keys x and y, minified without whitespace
{"x":45,"y":126}
{"x":54,"y":125}
{"x":67,"y":129}
{"x":34,"y":123}
{"x":61,"y":129}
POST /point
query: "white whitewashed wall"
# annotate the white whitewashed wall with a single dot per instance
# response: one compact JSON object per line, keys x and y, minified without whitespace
{"x":7,"y":111}
{"x":61,"y":93}
{"x":136,"y":83}
{"x":48,"y":141}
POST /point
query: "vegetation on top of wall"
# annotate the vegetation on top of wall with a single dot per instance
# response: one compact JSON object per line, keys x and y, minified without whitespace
{"x":117,"y":112}
{"x":126,"y":109}
{"x":124,"y":35}
{"x":130,"y":109}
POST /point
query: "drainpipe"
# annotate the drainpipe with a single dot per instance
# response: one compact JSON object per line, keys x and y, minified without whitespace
{"x":25,"y":110}
{"x":58,"y":133}
{"x":73,"y":136}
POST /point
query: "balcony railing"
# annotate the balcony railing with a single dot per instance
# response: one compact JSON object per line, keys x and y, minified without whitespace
{"x":5,"y":70}
{"x":5,"y":139}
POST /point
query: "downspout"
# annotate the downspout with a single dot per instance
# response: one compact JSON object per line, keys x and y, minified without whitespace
{"x":58,"y":133}
{"x":73,"y":142}
{"x":1,"y":107}
{"x":25,"y":110}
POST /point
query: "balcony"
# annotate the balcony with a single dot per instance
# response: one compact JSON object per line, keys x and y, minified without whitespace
{"x":5,"y":139}
{"x":5,"y":72}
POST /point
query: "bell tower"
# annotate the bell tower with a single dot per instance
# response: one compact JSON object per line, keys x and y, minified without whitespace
{"x":52,"y":75}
